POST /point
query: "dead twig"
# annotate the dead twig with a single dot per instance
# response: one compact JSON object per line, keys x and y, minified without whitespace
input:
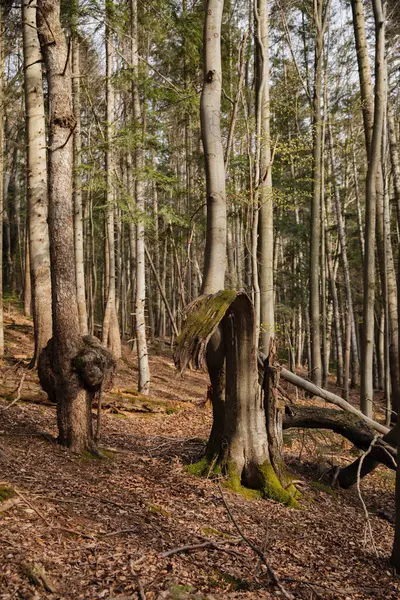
{"x":119,"y":532}
{"x":18,"y":396}
{"x":201,"y":545}
{"x":256,"y":550}
{"x":142,"y":593}
{"x":65,"y":529}
{"x":367,"y":519}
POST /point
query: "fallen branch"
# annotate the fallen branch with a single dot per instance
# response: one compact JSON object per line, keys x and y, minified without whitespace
{"x":332,"y":398}
{"x":348,"y":476}
{"x":346,"y":424}
{"x":257,"y":551}
{"x":201,"y":545}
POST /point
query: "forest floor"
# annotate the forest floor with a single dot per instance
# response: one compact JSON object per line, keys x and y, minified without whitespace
{"x":84,"y":528}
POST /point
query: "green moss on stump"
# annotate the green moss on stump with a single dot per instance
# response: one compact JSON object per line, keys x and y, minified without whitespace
{"x":273,"y":489}
{"x":233,"y":482}
{"x":270,"y":486}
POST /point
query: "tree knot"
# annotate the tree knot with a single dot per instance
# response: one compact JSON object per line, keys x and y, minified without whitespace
{"x":210,"y":75}
{"x":95,"y":365}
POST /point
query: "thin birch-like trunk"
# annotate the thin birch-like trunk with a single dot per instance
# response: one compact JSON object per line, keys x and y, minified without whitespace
{"x":266,"y":225}
{"x":140,"y":296}
{"x":346,"y":268}
{"x":111,"y":334}
{"x":1,"y":176}
{"x":320,"y":21}
{"x":77,"y":186}
{"x":210,"y":109}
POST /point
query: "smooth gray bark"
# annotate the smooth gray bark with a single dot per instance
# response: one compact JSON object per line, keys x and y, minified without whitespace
{"x":210,"y":111}
{"x":77,"y":186}
{"x":140,"y":298}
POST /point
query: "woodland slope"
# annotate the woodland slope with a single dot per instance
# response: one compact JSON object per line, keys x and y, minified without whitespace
{"x":83,"y":528}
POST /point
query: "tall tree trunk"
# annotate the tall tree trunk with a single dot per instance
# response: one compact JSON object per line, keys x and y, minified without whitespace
{"x":215,"y":253}
{"x":373,"y":127}
{"x":73,"y":401}
{"x":320,"y":21}
{"x":140,"y":298}
{"x":1,"y":174}
{"x":77,"y":187}
{"x":266,"y":225}
{"x":346,"y":268}
{"x":111,"y":334}
{"x":210,"y":108}
{"x":37,"y":190}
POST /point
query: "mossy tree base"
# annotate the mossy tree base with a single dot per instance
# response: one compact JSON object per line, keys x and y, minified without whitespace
{"x":268,"y":486}
{"x":245,"y":441}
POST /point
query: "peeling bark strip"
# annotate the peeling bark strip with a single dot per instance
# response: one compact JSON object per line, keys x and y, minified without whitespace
{"x":243,"y":448}
{"x":202,"y":319}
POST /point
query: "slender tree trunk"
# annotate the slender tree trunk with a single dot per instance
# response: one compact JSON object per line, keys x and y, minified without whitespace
{"x":111,"y":334}
{"x":37,"y":190}
{"x":367,"y":391}
{"x":266,"y":225}
{"x":27,"y":285}
{"x":1,"y":174}
{"x":315,"y":314}
{"x":346,"y":268}
{"x":77,"y":188}
{"x":210,"y":107}
{"x":140,"y":298}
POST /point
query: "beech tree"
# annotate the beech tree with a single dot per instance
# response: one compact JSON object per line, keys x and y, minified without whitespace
{"x":245,"y":439}
{"x":37,"y":193}
{"x":63,"y":364}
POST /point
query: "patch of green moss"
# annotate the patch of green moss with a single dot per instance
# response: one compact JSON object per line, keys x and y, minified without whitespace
{"x":102,"y":454}
{"x":182,"y":592}
{"x":200,"y":468}
{"x":6,"y":493}
{"x":322,"y":487}
{"x":170,"y":410}
{"x":272,"y":487}
{"x":233,"y":482}
{"x":217,"y":532}
{"x":220,"y":578}
{"x":154,"y":508}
